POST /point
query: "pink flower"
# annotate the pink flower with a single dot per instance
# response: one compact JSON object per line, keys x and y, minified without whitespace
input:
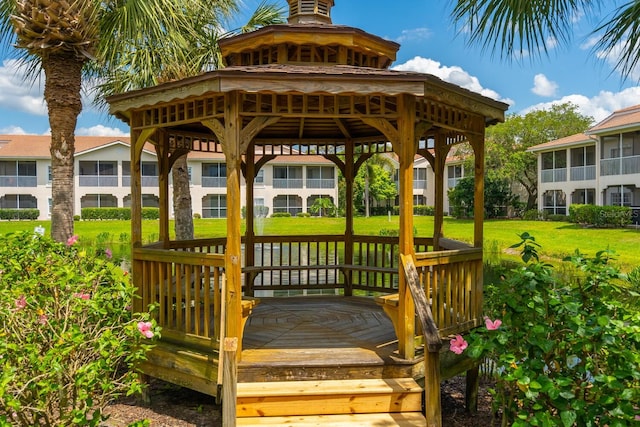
{"x":108,"y":253}
{"x":145,"y":329}
{"x":492,"y":325}
{"x":21,"y":302}
{"x":72,"y":240}
{"x":82,"y":295}
{"x":42,"y":319}
{"x":458,"y":344}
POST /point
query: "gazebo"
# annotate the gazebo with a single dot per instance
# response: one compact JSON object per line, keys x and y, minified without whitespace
{"x":309,"y":87}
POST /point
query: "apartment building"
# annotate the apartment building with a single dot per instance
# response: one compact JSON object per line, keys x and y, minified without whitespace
{"x":288,"y":183}
{"x":600,"y":166}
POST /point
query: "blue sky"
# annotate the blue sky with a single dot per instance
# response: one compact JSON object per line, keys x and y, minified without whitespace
{"x":430,"y":44}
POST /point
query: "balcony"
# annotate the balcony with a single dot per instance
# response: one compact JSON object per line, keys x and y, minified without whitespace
{"x":319,"y":183}
{"x":98,"y":180}
{"x":214,"y":181}
{"x":620,"y":166}
{"x":419,"y":184}
{"x":554,"y":175}
{"x":583,"y":173}
{"x":287,"y":183}
{"x":18,"y":181}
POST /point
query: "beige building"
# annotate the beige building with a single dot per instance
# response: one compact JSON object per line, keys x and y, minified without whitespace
{"x":600,"y":166}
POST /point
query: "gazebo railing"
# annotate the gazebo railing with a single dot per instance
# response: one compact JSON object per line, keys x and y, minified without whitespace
{"x":452,"y":280}
{"x":186,"y":289}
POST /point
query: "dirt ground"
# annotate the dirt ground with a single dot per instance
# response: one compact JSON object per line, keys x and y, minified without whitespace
{"x":172,"y":406}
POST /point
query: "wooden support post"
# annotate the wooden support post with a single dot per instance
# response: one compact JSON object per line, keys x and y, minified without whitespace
{"x":406,"y":148}
{"x":162,"y":151}
{"x":249,"y":252}
{"x":348,"y":232}
{"x":229,"y":382}
{"x":471,"y":389}
{"x":440,"y":158}
{"x":477,"y":143}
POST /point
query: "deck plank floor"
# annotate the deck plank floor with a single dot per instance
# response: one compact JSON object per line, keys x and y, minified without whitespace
{"x":319,"y":332}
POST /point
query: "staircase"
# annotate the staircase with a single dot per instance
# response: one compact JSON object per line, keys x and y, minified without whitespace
{"x":349,"y":403}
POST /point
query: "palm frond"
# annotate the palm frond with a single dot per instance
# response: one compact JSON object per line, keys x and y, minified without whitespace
{"x":518,"y":28}
{"x":621,"y":38}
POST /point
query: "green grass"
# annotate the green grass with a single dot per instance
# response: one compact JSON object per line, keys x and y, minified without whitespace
{"x":558,"y":239}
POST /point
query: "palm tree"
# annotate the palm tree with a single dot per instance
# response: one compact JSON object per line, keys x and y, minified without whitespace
{"x":72,"y":39}
{"x":143,"y":65}
{"x":516,"y":28}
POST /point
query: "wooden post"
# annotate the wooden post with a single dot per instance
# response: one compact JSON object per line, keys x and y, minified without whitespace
{"x":432,"y":341}
{"x":477,"y":143}
{"x":249,"y":251}
{"x":349,"y":175}
{"x":162,"y":151}
{"x":471,"y":389}
{"x":406,"y":150}
{"x":229,"y":382}
{"x":232,"y":153}
{"x":440,"y":158}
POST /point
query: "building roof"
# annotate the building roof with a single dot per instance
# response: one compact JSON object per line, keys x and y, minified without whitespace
{"x":619,"y":120}
{"x":567,"y":141}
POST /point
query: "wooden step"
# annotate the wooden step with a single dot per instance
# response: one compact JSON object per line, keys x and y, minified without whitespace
{"x":404,"y":419}
{"x":362,"y":396}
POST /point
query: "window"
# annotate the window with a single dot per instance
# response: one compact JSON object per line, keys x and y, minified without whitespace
{"x":454,"y":174}
{"x":214,"y":175}
{"x":555,"y":202}
{"x":287,"y":177}
{"x":148,"y":201}
{"x":99,"y":173}
{"x":554,"y":166}
{"x":214,"y":206}
{"x":18,"y":174}
{"x":18,"y":201}
{"x":419,"y":200}
{"x":584,"y":196}
{"x":583,"y":163}
{"x":320,"y":177}
{"x":259,"y":178}
{"x":419,"y":178}
{"x":287,"y":203}
{"x":98,"y":201}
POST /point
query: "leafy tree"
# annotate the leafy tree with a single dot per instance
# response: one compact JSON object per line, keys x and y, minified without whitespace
{"x":143,"y":64}
{"x":373,"y":182}
{"x":323,"y":206}
{"x":497,"y":197}
{"x":506,"y":144}
{"x":519,"y":28}
{"x":69,"y":40}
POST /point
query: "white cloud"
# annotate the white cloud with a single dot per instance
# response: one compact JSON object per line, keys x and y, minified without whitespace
{"x":599,"y":106}
{"x":542,"y":86}
{"x":13,"y":130}
{"x":613,"y":56}
{"x":100,"y":130}
{"x":16,"y":92}
{"x":415,"y":34}
{"x":455,"y":75}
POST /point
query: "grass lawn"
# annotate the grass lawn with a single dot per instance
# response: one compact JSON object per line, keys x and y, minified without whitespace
{"x":558,"y":239}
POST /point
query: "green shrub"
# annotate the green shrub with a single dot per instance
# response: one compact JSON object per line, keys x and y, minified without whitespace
{"x":281,"y":215}
{"x":68,"y":341}
{"x":557,"y":217}
{"x":535,"y":215}
{"x":600,"y":216}
{"x":303,"y":215}
{"x":150,"y":213}
{"x":424,"y":210}
{"x":567,"y":352}
{"x":198,"y":216}
{"x":17,"y":214}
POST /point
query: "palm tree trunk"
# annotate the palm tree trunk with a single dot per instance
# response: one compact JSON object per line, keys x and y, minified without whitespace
{"x":182,"y":200}
{"x":63,"y":81}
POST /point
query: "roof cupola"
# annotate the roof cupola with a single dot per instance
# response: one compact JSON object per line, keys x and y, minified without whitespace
{"x":310,"y":11}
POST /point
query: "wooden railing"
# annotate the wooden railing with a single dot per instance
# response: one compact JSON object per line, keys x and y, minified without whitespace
{"x":186,"y":287}
{"x":452,"y":280}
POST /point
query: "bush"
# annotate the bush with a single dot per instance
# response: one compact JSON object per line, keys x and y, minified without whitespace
{"x":557,"y":217}
{"x":600,"y":216}
{"x":424,"y":210}
{"x":197,"y":216}
{"x":150,"y":213}
{"x":303,"y":215}
{"x":69,"y":341}
{"x":535,"y":215}
{"x":17,"y":214}
{"x":567,"y":352}
{"x":281,"y":215}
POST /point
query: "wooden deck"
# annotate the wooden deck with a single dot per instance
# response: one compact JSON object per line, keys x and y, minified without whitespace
{"x":319,"y":337}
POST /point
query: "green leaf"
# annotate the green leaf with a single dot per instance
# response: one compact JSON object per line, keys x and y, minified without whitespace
{"x":568,"y":418}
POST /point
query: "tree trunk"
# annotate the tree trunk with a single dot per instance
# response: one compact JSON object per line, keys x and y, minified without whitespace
{"x":182,"y":200}
{"x":63,"y":82}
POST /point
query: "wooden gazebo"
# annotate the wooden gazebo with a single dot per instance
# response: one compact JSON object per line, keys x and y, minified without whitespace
{"x":308,"y":87}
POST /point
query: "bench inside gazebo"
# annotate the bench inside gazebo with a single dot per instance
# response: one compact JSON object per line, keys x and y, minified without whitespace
{"x":311,"y":87}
